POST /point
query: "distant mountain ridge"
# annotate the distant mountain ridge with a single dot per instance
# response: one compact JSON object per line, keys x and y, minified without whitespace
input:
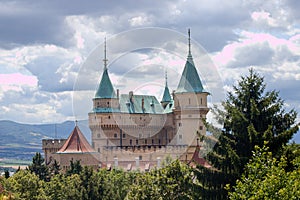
{"x":22,"y":141}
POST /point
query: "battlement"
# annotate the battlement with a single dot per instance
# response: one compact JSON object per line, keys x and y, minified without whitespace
{"x":53,"y":143}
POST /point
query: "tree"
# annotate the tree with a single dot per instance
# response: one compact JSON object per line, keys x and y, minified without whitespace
{"x":26,"y":185}
{"x":6,"y":174}
{"x":175,"y":181}
{"x":267,"y":178}
{"x":54,"y":168}
{"x":75,"y":167}
{"x":38,"y":167}
{"x":250,"y":116}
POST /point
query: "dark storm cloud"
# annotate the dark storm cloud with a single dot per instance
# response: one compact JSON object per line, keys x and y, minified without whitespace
{"x":30,"y":22}
{"x":255,"y":55}
{"x":45,"y":68}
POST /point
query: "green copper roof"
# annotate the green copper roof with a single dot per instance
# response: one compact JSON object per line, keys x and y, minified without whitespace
{"x":140,"y":104}
{"x":189,"y":81}
{"x":166,"y":96}
{"x":105,"y":89}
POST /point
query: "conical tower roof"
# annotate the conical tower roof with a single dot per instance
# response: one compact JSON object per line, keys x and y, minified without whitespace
{"x":166,"y":96}
{"x":76,"y":143}
{"x":105,"y":89}
{"x":190,"y":80}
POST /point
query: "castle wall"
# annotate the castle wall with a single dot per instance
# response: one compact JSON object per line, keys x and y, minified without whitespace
{"x":50,"y":147}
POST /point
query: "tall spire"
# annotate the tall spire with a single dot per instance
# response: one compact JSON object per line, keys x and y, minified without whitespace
{"x":166,"y":96}
{"x":189,"y":33}
{"x":166,"y":78}
{"x":105,"y":89}
{"x":190,"y":80}
{"x":105,"y":59}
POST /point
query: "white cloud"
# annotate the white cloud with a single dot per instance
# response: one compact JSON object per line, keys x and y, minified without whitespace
{"x":238,"y":34}
{"x":141,"y":20}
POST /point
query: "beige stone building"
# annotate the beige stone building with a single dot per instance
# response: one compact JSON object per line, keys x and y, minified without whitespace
{"x":136,"y":131}
{"x":76,"y":147}
{"x":129,"y":129}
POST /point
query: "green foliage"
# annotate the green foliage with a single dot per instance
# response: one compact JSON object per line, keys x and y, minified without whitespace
{"x":266,"y":178}
{"x":175,"y":181}
{"x":6,"y":174}
{"x":38,"y":167}
{"x":250,"y":116}
{"x":54,"y":168}
{"x":75,"y":167}
{"x":26,"y":185}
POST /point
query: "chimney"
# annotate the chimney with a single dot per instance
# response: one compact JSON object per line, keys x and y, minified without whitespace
{"x":143,"y":105}
{"x":131,"y":96}
{"x":158,"y":162}
{"x":137,"y":162}
{"x":116,"y":162}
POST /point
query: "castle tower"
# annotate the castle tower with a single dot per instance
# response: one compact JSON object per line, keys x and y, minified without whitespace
{"x":105,"y":102}
{"x":166,"y":96}
{"x":190,"y":101}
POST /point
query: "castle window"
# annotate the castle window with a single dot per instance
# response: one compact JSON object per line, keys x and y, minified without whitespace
{"x":189,"y":101}
{"x":130,"y":141}
{"x":201,"y":128}
{"x":159,"y":141}
{"x":140,"y":157}
{"x":108,"y":116}
{"x":146,"y":141}
{"x":179,"y":124}
{"x":137,"y":141}
{"x":201,"y":101}
{"x":124,"y":135}
{"x":98,"y":135}
{"x":115,"y":135}
{"x":152,"y":141}
{"x":98,"y":149}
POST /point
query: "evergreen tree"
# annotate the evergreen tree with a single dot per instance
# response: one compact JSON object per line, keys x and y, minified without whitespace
{"x":55,"y":168}
{"x":38,"y":167}
{"x":75,"y":167}
{"x":6,"y":174}
{"x":250,"y":116}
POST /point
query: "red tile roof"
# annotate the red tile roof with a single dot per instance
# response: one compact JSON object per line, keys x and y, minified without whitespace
{"x":76,"y":143}
{"x":198,"y":160}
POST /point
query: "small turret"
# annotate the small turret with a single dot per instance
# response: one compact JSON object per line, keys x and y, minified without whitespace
{"x":106,"y":100}
{"x":166,"y":96}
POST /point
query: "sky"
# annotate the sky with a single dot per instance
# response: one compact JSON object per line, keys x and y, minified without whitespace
{"x":52,"y":51}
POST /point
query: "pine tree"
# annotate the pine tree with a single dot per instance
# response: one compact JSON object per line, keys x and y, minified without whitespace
{"x":250,"y":116}
{"x":55,"y":168}
{"x":75,"y":167}
{"x":38,"y":167}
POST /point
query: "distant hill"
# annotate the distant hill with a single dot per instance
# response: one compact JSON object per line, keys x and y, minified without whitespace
{"x":22,"y":141}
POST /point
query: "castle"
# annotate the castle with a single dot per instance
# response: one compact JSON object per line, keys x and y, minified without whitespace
{"x":137,"y":131}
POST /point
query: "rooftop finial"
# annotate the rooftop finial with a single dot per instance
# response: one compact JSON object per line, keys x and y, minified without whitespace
{"x":166,"y":77}
{"x":105,"y":59}
{"x":189,"y":33}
